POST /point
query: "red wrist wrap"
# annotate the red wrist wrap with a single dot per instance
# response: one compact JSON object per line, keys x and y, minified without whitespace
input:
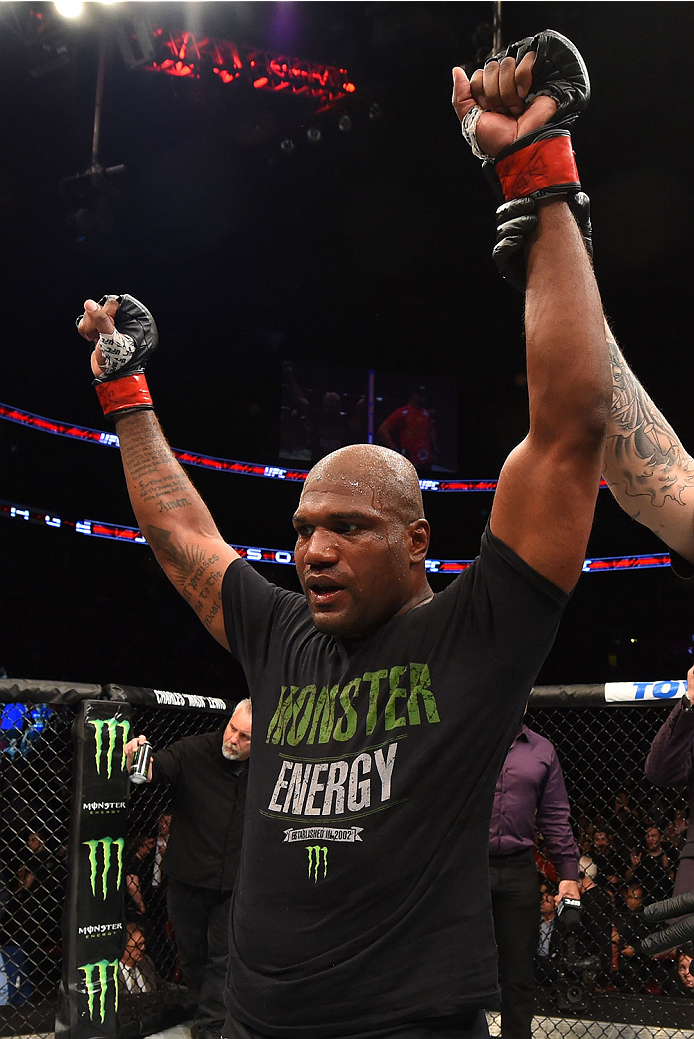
{"x":542,"y":165}
{"x":123,"y":394}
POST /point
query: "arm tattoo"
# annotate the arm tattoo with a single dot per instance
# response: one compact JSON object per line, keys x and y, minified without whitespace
{"x":192,"y":570}
{"x":645,"y":454}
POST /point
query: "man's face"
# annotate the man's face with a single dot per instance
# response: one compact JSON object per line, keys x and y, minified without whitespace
{"x":352,"y":557}
{"x":134,"y":948}
{"x":600,"y":841}
{"x":634,"y":897}
{"x":236,"y":742}
{"x":683,"y":965}
{"x":653,"y":838}
{"x":546,"y":901}
{"x":164,"y":825}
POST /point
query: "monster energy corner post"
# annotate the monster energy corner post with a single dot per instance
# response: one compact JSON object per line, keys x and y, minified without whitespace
{"x":93,"y":922}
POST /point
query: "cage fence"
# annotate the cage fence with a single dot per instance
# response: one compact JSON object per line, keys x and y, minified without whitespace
{"x":591,"y":982}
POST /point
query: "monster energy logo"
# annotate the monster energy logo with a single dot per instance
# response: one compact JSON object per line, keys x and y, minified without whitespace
{"x":107,"y":844}
{"x":96,"y":979}
{"x":112,"y":725}
{"x":317,"y":854}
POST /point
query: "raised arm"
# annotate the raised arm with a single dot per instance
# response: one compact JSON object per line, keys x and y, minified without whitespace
{"x":170,"y":512}
{"x":646,"y":467}
{"x":544,"y":504}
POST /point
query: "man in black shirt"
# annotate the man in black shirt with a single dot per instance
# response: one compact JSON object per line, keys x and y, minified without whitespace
{"x":207,"y":775}
{"x":362,"y":905}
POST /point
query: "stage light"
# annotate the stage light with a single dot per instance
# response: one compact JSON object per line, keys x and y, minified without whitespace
{"x":287,"y":146}
{"x":313,"y":135}
{"x":69,"y":8}
{"x":375,"y":112}
{"x":345,"y":123}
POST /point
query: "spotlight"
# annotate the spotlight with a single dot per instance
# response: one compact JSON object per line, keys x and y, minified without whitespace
{"x":69,"y":8}
{"x":375,"y":112}
{"x":313,"y":135}
{"x":345,"y":123}
{"x":287,"y":147}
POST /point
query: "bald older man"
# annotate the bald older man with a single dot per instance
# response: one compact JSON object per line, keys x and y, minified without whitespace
{"x":383,"y":712}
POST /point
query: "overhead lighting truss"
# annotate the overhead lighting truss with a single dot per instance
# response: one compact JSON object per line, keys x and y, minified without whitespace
{"x":187,"y":56}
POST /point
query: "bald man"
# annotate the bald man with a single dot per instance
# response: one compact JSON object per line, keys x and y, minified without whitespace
{"x":383,"y":712}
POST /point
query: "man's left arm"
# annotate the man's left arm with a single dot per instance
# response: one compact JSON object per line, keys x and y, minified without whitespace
{"x":553,"y":820}
{"x":646,"y":467}
{"x":544,"y":504}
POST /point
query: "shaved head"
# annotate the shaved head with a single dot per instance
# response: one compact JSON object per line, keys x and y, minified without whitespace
{"x":361,"y":540}
{"x":392,"y":479}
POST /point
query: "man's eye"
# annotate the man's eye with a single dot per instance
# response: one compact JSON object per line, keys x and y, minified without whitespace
{"x":304,"y":532}
{"x":345,"y":528}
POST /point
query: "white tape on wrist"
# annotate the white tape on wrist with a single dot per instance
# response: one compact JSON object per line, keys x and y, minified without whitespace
{"x":116,"y":349}
{"x":469,"y":128}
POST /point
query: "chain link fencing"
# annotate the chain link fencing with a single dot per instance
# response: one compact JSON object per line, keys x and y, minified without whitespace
{"x":590,"y":983}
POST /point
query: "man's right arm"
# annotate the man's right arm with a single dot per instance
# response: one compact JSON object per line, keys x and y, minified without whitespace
{"x":170,"y":512}
{"x":646,"y":467}
{"x":174,"y":519}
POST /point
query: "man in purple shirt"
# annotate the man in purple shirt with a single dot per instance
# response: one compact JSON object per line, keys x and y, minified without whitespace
{"x":669,"y":763}
{"x":530,"y":796}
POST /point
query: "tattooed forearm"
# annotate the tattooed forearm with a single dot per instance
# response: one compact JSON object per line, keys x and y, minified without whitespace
{"x":154,"y":474}
{"x":644,"y":455}
{"x":174,"y":519}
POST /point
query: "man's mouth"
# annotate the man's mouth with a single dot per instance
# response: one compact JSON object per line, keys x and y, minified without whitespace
{"x":322,"y":592}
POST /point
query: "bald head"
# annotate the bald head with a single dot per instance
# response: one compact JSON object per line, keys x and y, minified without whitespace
{"x":391,"y":479}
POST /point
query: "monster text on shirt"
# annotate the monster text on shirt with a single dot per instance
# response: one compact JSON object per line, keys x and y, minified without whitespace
{"x":360,"y":782}
{"x":307,"y":715}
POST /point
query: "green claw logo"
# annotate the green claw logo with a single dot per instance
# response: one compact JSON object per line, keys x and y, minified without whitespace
{"x":317,"y":853}
{"x":96,"y":980}
{"x":107,"y":844}
{"x":112,"y":725}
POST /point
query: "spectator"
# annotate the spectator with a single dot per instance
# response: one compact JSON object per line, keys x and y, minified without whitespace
{"x":631,"y":929}
{"x":607,"y":861}
{"x":627,"y":823}
{"x":684,"y":970}
{"x":594,"y":937}
{"x":136,"y":970}
{"x":548,"y":945}
{"x":146,"y":884}
{"x":650,"y":867}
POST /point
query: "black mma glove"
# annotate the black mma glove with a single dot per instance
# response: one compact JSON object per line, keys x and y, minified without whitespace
{"x":516,"y":219}
{"x":541,"y":163}
{"x":122,"y":385}
{"x":676,"y":934}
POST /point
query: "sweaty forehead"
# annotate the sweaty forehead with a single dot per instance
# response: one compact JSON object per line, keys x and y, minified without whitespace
{"x":343,"y":493}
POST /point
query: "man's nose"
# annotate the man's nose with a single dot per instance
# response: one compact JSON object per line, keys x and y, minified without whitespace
{"x":321,"y":549}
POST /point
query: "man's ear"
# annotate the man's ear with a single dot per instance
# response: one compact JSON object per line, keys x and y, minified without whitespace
{"x":420,"y":533}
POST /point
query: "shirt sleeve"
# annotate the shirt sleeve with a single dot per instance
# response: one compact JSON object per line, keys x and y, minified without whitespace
{"x":554,"y":822}
{"x":516,"y":610}
{"x":254,"y":609}
{"x":669,"y":761}
{"x":166,"y":764}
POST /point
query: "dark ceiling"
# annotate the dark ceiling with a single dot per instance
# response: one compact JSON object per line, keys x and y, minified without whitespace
{"x":369,"y":248}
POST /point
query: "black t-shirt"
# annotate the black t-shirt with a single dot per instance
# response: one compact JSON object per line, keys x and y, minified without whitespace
{"x":208,"y":795}
{"x":362,"y":898}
